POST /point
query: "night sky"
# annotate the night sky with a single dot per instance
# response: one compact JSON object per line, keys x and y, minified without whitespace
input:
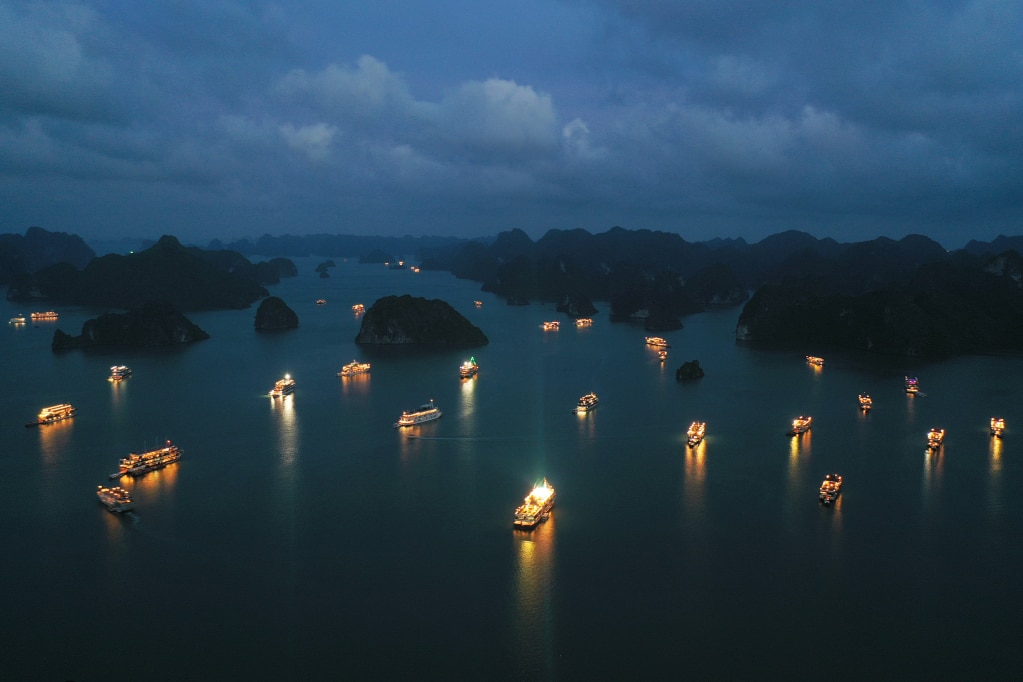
{"x":709,"y":118}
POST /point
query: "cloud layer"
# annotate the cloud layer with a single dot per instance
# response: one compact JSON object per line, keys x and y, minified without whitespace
{"x":225,"y":119}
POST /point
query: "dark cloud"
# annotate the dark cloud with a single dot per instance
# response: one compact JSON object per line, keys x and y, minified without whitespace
{"x":223,"y":118}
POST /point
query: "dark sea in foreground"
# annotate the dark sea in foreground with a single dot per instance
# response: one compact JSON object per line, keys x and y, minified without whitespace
{"x":307,"y":539}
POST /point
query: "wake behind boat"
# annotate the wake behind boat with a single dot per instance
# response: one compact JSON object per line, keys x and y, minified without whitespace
{"x":426,"y":412}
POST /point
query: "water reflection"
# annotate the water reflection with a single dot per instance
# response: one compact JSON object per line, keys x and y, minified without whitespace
{"x":153,"y":485}
{"x":117,"y":393}
{"x":534,"y":587}
{"x":355,"y":385}
{"x":467,"y":400}
{"x":409,"y":444}
{"x":53,"y":439}
{"x":587,"y":423}
{"x":994,"y":504}
{"x":695,"y":473}
{"x":934,"y":462}
{"x":287,"y":429}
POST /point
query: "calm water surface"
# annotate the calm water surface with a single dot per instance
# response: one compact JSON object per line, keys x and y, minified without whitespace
{"x":306,"y":538}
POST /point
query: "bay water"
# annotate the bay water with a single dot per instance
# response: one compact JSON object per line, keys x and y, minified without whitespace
{"x":305,"y":538}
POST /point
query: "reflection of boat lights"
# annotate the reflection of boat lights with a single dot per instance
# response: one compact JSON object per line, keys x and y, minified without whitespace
{"x":996,"y":455}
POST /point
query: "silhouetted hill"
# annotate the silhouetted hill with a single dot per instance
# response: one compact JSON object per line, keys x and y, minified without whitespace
{"x":37,"y":249}
{"x":403,"y":320}
{"x":155,"y":324}
{"x":166,"y":271}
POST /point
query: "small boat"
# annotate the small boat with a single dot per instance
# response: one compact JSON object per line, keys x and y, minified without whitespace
{"x":584,"y":322}
{"x":866,"y":402}
{"x":550,"y":326}
{"x":17,"y":320}
{"x":478,"y":304}
{"x":662,"y":354}
{"x":657,"y":342}
{"x":49,"y":315}
{"x":283,"y":387}
{"x":814,"y":360}
{"x":115,"y":499}
{"x":535,"y":508}
{"x":801,"y":425}
{"x":358,"y":308}
{"x":587,"y":402}
{"x":831,"y":488}
{"x":935,"y":437}
{"x":696,"y":432}
{"x":354,"y":367}
{"x":912,"y":385}
{"x":119,"y":373}
{"x":54,"y":413}
{"x":426,"y":412}
{"x":997,"y":426}
{"x":321,"y":301}
{"x":469,"y":369}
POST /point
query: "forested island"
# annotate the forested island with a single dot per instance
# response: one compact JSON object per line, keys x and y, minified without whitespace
{"x":902,"y":297}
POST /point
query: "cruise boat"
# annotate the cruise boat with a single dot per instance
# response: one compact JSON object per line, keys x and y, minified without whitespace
{"x":354,"y":367}
{"x":550,"y":326}
{"x":696,"y":432}
{"x":48,"y":315}
{"x":997,"y":426}
{"x":115,"y":499}
{"x":912,"y":385}
{"x":866,"y":402}
{"x":535,"y":508}
{"x":283,"y":387}
{"x":663,"y":355}
{"x":801,"y":425}
{"x":358,"y":308}
{"x":17,"y":320}
{"x":587,"y":402}
{"x":831,"y":488}
{"x":136,"y":464}
{"x":935,"y":437}
{"x":814,"y":360}
{"x":584,"y":322}
{"x":469,"y":369}
{"x":119,"y":372}
{"x":424,"y":413}
{"x":54,"y":413}
{"x":657,"y":342}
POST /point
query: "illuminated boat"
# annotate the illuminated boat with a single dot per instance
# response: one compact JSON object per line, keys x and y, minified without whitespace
{"x":587,"y":402}
{"x":831,"y":488}
{"x":283,"y":387}
{"x":550,"y":326}
{"x":584,"y":322}
{"x":115,"y":499}
{"x":935,"y":437}
{"x":354,"y":367}
{"x":136,"y":464}
{"x":358,"y":308}
{"x":119,"y":372}
{"x":48,"y":315}
{"x":469,"y":369}
{"x":663,"y":355}
{"x":912,"y":385}
{"x":321,"y":301}
{"x":427,"y":412}
{"x":997,"y":426}
{"x":478,"y":304}
{"x":696,"y":432}
{"x":535,"y":508}
{"x":657,"y":342}
{"x":17,"y":320}
{"x":814,"y":360}
{"x":866,"y":402}
{"x":54,"y":413}
{"x":801,"y":425}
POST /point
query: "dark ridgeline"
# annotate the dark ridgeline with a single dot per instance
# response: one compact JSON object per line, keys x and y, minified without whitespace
{"x":154,"y":324}
{"x":411,"y":320}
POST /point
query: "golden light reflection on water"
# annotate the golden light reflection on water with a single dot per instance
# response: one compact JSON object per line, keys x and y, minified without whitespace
{"x":287,"y":429}
{"x":587,"y":423}
{"x":695,"y":473}
{"x":995,"y":502}
{"x":153,"y":485}
{"x":409,"y":444}
{"x":934,"y":462}
{"x":54,"y":438}
{"x":117,"y":392}
{"x":467,"y":397}
{"x":534,"y":589}
{"x":357,"y":384}
{"x":995,"y":456}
